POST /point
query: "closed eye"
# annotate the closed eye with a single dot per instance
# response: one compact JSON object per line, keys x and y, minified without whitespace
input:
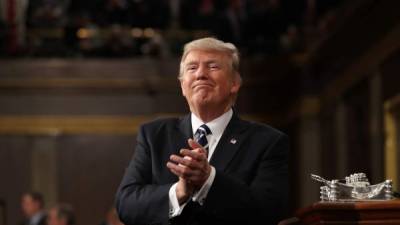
{"x":191,"y":67}
{"x":214,"y":66}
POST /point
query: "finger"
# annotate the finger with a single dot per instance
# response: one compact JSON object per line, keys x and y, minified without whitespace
{"x":175,"y":169}
{"x":196,"y":146}
{"x":177,"y":158}
{"x":186,"y":161}
{"x":194,"y":154}
{"x":180,"y":171}
{"x":171,"y":168}
{"x":200,"y":151}
{"x":193,"y":144}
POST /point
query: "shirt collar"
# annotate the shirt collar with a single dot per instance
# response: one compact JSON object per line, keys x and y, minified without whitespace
{"x":35,"y":219}
{"x":217,"y":125}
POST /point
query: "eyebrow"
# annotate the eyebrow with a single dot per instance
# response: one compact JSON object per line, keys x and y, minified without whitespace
{"x":207,"y":62}
{"x":191,"y":63}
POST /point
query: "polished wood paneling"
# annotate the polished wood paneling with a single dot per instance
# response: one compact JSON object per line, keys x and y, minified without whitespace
{"x":90,"y":170}
{"x":15,"y":173}
{"x":61,"y":125}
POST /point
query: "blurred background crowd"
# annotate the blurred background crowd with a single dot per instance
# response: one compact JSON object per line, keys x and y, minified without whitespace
{"x":121,"y":28}
{"x":35,"y":212}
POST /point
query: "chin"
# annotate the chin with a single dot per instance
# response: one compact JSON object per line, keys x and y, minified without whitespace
{"x":202,"y":97}
{"x":202,"y":101}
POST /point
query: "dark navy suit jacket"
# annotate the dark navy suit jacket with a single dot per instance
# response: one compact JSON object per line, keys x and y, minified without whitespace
{"x":250,"y":186}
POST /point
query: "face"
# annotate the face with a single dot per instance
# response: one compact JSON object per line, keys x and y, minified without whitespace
{"x":29,"y":206}
{"x":53,"y":219}
{"x":208,"y":79}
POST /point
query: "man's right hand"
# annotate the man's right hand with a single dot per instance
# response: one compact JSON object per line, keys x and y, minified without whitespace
{"x":192,"y":168}
{"x":184,"y":190}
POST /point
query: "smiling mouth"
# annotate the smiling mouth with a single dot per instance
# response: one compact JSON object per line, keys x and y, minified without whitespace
{"x":202,"y":86}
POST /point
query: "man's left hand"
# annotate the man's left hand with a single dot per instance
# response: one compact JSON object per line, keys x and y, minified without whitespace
{"x":191,"y":165}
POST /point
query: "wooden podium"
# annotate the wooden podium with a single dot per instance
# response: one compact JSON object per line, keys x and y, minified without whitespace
{"x":346,"y":213}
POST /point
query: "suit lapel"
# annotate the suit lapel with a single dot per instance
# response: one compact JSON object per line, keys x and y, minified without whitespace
{"x":229,"y":143}
{"x":182,"y":132}
{"x":185,"y":132}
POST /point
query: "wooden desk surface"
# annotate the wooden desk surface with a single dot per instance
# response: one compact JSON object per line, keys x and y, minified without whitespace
{"x":362,"y":212}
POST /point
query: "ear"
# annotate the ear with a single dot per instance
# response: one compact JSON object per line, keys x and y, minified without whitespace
{"x":236,"y":83}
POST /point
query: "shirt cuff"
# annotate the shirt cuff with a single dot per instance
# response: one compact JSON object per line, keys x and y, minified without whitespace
{"x":201,"y":195}
{"x":174,"y":208}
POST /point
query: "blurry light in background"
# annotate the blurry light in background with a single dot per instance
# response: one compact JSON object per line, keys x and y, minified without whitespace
{"x":136,"y":32}
{"x":84,"y":33}
{"x":149,"y":32}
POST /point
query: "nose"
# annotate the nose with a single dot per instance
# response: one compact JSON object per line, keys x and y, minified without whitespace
{"x":201,"y":72}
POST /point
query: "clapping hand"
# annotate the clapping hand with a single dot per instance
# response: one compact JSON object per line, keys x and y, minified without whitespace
{"x":192,"y":168}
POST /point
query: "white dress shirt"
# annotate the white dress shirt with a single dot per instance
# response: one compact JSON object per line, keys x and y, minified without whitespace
{"x":217,"y":127}
{"x":35,"y":219}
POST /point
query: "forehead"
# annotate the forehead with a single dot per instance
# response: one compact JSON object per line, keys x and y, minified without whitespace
{"x":205,"y":55}
{"x":27,"y":198}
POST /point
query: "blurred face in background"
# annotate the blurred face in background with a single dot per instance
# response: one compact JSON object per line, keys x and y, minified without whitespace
{"x":54,"y":219}
{"x":29,"y":206}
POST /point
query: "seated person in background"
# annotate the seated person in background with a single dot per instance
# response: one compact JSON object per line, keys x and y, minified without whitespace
{"x":112,"y":218}
{"x":62,"y":214}
{"x":32,"y":205}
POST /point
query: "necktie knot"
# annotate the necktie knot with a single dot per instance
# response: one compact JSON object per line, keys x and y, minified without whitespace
{"x":201,"y":135}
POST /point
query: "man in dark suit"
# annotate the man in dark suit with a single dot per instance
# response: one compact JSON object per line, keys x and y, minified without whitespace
{"x":32,"y":205}
{"x":61,"y":214}
{"x":209,"y":167}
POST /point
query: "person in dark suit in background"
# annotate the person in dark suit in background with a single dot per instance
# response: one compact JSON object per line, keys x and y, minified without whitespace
{"x":209,"y":167}
{"x":61,"y":214}
{"x":32,"y":205}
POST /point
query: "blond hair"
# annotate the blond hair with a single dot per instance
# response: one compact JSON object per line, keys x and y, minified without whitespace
{"x":212,"y":44}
